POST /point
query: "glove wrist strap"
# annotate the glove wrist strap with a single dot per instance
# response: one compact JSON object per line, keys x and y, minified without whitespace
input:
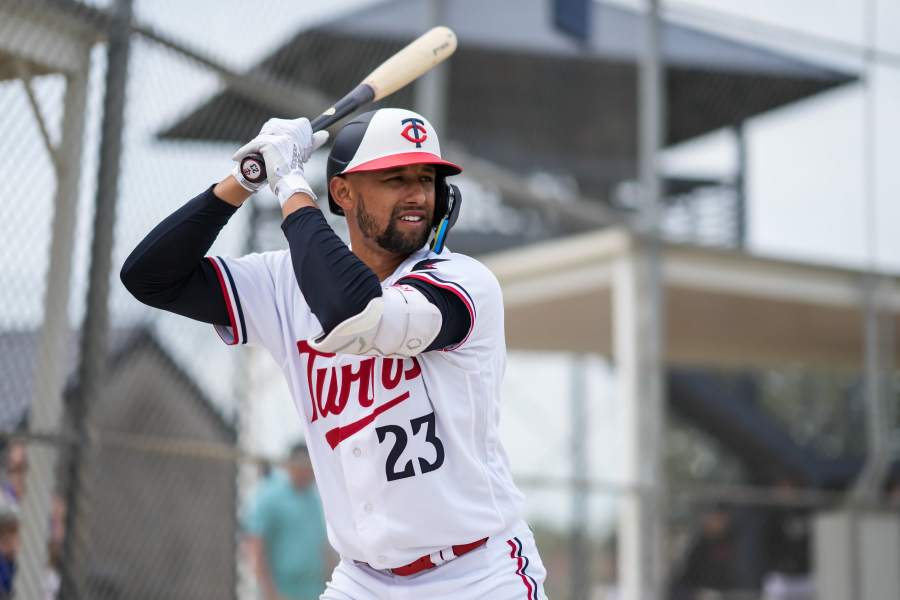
{"x":243,"y":181}
{"x":291,"y":184}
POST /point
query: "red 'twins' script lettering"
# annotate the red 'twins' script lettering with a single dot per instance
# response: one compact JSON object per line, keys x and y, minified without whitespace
{"x":329,"y":387}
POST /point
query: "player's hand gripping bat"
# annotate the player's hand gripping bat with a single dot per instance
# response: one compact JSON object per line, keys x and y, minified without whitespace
{"x":407,"y":65}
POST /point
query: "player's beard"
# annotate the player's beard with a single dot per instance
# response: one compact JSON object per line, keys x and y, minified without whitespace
{"x":391,"y":239}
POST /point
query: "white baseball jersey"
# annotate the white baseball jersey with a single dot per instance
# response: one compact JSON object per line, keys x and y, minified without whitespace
{"x":406,"y":452}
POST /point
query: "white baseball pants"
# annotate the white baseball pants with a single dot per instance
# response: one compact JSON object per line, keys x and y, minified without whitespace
{"x":507,"y":567}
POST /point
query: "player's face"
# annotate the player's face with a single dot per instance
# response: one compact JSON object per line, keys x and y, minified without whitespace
{"x":394,"y":207}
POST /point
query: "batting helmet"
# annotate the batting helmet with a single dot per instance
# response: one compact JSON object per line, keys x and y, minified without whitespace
{"x":394,"y":137}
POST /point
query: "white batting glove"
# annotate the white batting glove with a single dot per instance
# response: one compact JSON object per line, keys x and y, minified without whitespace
{"x":285,"y":145}
{"x":245,"y":183}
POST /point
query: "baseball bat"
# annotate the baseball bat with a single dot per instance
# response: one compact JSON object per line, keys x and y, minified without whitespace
{"x":408,"y":64}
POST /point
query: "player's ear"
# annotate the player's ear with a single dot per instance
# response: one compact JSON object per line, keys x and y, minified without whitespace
{"x":340,"y":192}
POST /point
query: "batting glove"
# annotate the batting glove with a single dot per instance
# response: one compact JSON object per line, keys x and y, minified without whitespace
{"x":245,"y":183}
{"x":285,"y":145}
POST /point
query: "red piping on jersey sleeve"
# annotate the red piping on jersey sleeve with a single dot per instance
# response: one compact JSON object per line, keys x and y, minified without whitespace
{"x":465,"y":299}
{"x":222,"y":284}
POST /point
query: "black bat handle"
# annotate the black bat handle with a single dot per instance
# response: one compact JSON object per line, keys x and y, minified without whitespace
{"x":253,"y":166}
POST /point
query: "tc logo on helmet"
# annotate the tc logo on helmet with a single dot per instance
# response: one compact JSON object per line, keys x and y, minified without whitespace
{"x":415,"y":131}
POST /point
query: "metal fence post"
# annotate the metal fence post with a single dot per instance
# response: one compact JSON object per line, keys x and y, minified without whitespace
{"x":579,"y":548}
{"x":640,"y":362}
{"x":47,"y":400}
{"x":93,"y":350}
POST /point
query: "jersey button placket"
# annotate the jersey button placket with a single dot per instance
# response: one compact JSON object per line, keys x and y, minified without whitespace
{"x":357,"y":452}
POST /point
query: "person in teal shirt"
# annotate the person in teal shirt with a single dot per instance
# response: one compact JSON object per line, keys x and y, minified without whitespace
{"x":286,"y":532}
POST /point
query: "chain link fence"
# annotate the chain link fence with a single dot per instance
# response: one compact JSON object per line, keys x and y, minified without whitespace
{"x":142,"y":457}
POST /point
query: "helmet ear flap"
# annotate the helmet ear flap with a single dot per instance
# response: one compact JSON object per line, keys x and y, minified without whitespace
{"x":447,"y":202}
{"x":453,"y":209}
{"x":441,"y":192}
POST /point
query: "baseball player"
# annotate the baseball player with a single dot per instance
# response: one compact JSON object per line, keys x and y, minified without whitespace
{"x":393,"y":349}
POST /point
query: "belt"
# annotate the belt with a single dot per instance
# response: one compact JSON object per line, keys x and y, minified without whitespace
{"x":430,"y":561}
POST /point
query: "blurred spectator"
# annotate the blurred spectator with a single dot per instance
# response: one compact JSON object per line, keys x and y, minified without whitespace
{"x":286,"y":532}
{"x":15,"y":465}
{"x":12,"y":489}
{"x":57,"y":534}
{"x":9,"y":545}
{"x":710,"y":563}
{"x":786,"y":539}
{"x":12,"y":492}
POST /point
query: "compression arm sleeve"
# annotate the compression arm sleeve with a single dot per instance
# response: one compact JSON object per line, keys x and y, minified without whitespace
{"x":338,"y":286}
{"x":167,"y":269}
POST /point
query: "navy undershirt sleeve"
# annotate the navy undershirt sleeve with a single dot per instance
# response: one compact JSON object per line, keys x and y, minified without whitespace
{"x":167,"y":269}
{"x":337,"y":285}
